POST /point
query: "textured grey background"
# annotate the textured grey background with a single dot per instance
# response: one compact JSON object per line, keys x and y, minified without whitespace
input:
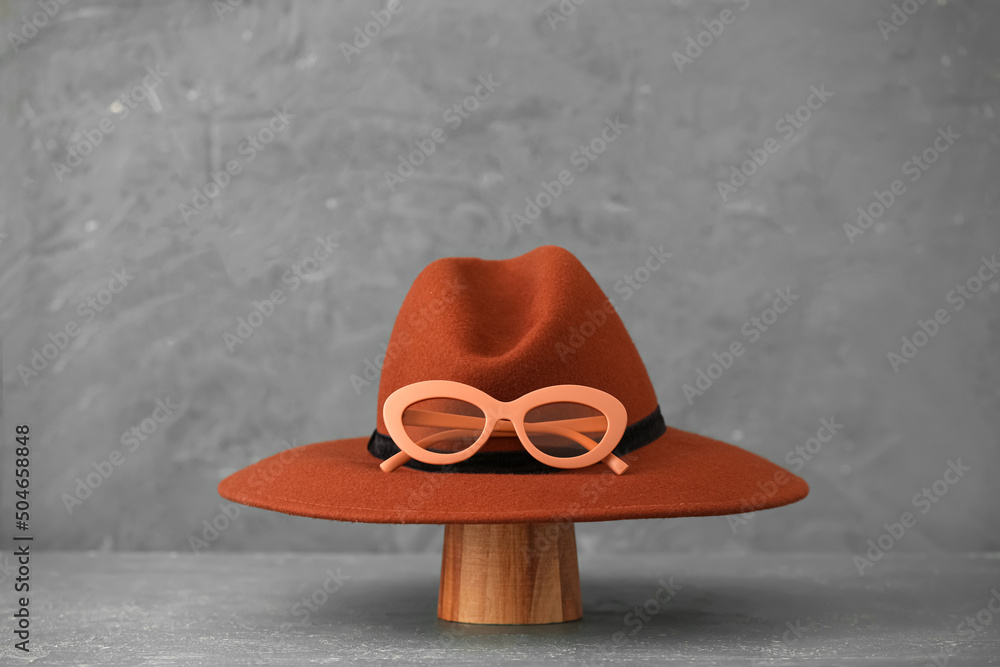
{"x":162,"y":336}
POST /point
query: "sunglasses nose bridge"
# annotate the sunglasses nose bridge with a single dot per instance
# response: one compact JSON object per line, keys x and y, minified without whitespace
{"x":498,"y":411}
{"x":503,"y":425}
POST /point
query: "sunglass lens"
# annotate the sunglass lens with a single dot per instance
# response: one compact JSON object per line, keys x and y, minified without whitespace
{"x":565,"y":430}
{"x":443,"y":425}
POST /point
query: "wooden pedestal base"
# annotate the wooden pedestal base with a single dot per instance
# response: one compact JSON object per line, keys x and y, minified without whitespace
{"x":510,"y":574}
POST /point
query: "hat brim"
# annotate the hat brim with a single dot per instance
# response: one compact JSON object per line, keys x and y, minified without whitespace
{"x":680,"y":474}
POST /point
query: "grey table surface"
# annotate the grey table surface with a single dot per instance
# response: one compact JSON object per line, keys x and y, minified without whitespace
{"x":219,"y":609}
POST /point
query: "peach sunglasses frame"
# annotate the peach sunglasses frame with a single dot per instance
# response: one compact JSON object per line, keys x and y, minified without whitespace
{"x":496,"y":413}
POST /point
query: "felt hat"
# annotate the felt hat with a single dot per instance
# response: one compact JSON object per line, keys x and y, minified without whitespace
{"x":507,"y":328}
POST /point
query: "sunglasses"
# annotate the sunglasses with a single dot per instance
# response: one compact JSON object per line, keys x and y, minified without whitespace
{"x":441,"y":422}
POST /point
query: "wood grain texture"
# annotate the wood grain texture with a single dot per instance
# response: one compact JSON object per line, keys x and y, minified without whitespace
{"x":510,"y":574}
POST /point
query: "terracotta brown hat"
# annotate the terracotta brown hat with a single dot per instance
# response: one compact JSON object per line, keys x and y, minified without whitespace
{"x":497,"y":326}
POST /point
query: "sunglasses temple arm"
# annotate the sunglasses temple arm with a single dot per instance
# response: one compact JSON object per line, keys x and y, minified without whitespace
{"x":393,"y":462}
{"x":402,"y":458}
{"x":616,"y":464}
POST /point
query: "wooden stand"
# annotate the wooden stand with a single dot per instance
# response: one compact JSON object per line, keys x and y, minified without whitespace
{"x":510,"y":574}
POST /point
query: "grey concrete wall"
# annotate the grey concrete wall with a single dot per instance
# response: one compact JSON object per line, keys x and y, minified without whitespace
{"x":208,"y":77}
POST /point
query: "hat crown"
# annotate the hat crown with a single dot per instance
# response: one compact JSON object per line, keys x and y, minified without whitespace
{"x":508,"y":327}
